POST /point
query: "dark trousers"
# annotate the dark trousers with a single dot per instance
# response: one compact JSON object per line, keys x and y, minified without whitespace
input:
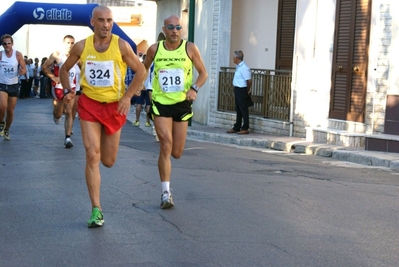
{"x":24,"y":88}
{"x":240,"y":95}
{"x":30,"y":83}
{"x":43,"y":85}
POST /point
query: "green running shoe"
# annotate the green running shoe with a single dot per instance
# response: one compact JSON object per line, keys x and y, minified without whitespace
{"x":96,"y":219}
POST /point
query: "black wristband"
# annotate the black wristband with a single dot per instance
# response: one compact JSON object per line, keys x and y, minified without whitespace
{"x":194,"y":87}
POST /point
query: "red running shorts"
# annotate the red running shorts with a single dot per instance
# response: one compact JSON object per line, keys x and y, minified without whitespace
{"x":103,"y":113}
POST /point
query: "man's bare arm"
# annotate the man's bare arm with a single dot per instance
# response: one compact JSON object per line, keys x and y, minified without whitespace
{"x":150,"y":55}
{"x":21,"y":62}
{"x":249,"y":84}
{"x":54,"y":57}
{"x":73,"y":58}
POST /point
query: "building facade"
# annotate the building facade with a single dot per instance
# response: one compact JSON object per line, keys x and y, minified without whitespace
{"x":345,"y":74}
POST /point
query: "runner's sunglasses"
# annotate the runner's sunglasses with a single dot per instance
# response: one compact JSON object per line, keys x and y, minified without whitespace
{"x":172,"y":27}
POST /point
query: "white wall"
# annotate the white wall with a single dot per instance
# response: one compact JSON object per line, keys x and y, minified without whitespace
{"x":254,"y":31}
{"x":393,"y":62}
{"x":312,"y":61}
{"x":42,"y":40}
{"x":203,"y":39}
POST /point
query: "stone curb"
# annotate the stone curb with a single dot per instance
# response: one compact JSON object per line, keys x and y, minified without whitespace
{"x":354,"y":155}
{"x":369,"y":158}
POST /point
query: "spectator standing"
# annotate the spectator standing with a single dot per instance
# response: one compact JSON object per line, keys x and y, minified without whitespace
{"x":242,"y":87}
{"x":36,"y":75}
{"x":43,"y":80}
{"x":24,"y":80}
{"x":30,"y":68}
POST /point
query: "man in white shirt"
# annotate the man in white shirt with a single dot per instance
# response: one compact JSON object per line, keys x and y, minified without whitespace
{"x":242,"y":87}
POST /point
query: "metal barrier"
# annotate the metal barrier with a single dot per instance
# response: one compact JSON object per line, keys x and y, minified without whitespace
{"x":271,"y":92}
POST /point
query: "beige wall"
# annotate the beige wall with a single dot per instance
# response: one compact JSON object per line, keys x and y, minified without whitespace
{"x":147,"y":30}
{"x":253,"y":30}
{"x":203,"y":39}
{"x":170,"y":7}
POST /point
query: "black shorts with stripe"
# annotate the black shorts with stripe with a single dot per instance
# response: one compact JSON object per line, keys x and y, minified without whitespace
{"x":12,"y":90}
{"x":181,"y":111}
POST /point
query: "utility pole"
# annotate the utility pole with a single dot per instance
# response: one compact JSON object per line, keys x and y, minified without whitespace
{"x":191,"y":20}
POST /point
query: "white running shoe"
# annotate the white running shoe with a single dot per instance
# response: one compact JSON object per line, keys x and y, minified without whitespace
{"x":2,"y":129}
{"x":68,"y":143}
{"x":56,"y":121}
{"x":166,"y":200}
{"x":6,"y":135}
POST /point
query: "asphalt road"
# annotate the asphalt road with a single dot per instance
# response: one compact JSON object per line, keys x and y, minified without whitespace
{"x":233,"y":206}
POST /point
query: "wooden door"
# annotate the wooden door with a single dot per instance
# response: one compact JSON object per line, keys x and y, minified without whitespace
{"x":285,"y":34}
{"x":350,"y":58}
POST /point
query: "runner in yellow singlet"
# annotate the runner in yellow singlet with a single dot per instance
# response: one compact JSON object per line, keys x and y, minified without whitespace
{"x":173,"y":94}
{"x":104,"y":102}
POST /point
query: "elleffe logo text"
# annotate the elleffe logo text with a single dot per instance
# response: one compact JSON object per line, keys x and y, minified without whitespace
{"x":52,"y":14}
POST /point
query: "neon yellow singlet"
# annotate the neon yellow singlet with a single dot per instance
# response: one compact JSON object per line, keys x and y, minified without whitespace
{"x":173,"y":74}
{"x":103,"y":74}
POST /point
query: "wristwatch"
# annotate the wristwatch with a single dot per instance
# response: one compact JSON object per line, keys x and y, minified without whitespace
{"x":194,"y":87}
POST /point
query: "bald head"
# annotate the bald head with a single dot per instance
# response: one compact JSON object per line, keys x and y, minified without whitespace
{"x":100,"y":9}
{"x":102,"y":22}
{"x":171,"y":20}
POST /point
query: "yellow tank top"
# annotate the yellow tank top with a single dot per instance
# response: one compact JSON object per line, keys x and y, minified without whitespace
{"x":103,"y":74}
{"x":173,"y":74}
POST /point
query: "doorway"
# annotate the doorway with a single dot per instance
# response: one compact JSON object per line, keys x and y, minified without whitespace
{"x":350,"y":60}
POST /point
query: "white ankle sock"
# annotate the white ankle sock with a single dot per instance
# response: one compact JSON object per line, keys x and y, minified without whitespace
{"x":165,"y":186}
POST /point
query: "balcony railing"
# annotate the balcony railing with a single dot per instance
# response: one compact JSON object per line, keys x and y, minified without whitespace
{"x":271,"y":92}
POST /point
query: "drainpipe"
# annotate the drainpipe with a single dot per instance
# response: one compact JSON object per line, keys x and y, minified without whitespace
{"x":294,"y":75}
{"x":293,"y":83}
{"x":191,"y":17}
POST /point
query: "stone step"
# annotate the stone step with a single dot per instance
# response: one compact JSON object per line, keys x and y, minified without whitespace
{"x":349,"y":126}
{"x":382,"y":142}
{"x":335,"y":137}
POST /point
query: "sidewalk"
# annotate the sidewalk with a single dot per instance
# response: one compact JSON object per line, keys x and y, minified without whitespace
{"x":284,"y":143}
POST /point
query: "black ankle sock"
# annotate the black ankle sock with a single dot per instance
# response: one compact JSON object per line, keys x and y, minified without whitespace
{"x":67,"y":136}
